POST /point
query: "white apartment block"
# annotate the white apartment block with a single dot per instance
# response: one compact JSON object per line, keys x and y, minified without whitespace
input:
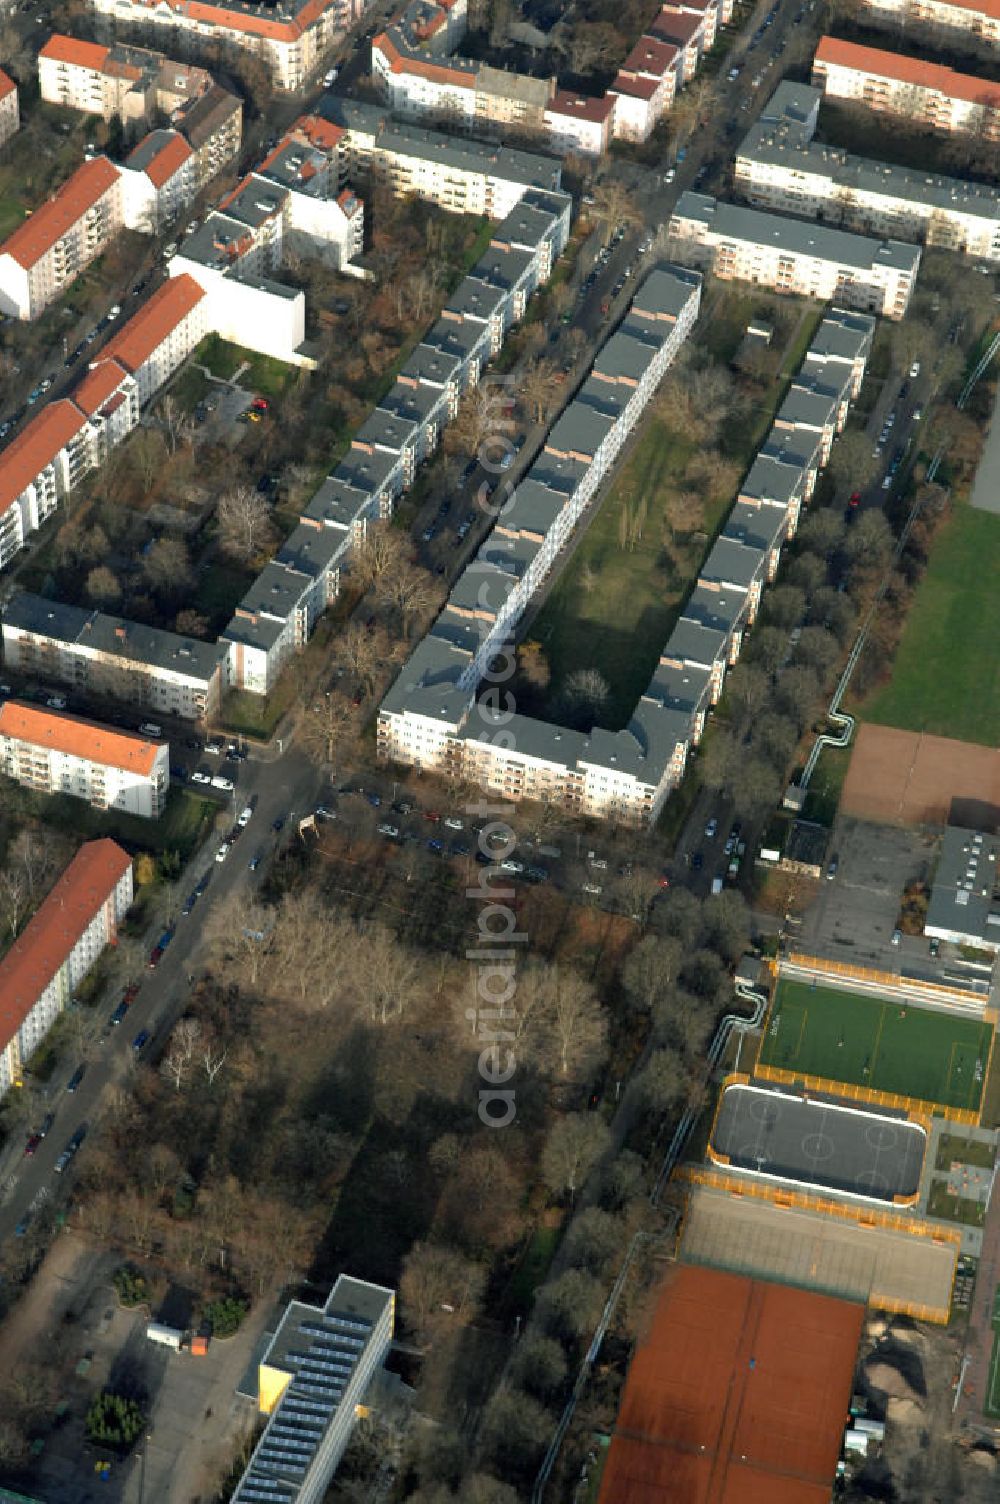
{"x":432,"y":719}
{"x":779,"y":166}
{"x":974,"y":19}
{"x":54,"y":753}
{"x":291,"y":42}
{"x":160,"y":336}
{"x":10,"y":115}
{"x":312,"y":1382}
{"x":107,"y":656}
{"x":57,"y":947}
{"x":159,"y":181}
{"x":922,"y":93}
{"x":131,"y":82}
{"x":52,"y":247}
{"x":794,"y":257}
{"x":38,"y":469}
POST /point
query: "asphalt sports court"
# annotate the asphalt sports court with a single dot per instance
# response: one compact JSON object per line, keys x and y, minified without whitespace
{"x":890,"y":1047}
{"x":815,"y":1142}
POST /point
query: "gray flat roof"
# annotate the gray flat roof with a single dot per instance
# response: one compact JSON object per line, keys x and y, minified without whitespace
{"x":298,"y":166}
{"x":254,"y":631}
{"x":527,"y":226}
{"x":367,"y":472}
{"x":798,"y":236}
{"x":337,"y":504}
{"x":580,"y":429}
{"x":965,"y":893}
{"x":353,"y":114}
{"x":556,"y":473}
{"x":276,"y":591}
{"x":532,"y":738}
{"x":811,"y":409}
{"x":514,"y":554}
{"x":665,"y":293}
{"x":733,"y":563}
{"x":311,"y":550}
{"x":453,"y":337}
{"x":533,"y":508}
{"x":386,"y":431}
{"x":257,"y":201}
{"x":412,"y":404}
{"x":693,"y":642}
{"x":461,"y":155}
{"x":214,"y":241}
{"x":793,"y":448}
{"x":605,"y":397}
{"x":721,"y":608}
{"x":684,"y":689}
{"x":817,"y":1141}
{"x":114,"y":635}
{"x":477,"y":300}
{"x":627,"y":354}
{"x":431,"y":367}
{"x":775,"y":480}
{"x":756,"y":526}
{"x":503,"y":268}
{"x":427,"y":683}
{"x":482,"y":587}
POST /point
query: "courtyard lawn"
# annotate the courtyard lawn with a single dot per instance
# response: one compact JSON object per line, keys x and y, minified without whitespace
{"x":264,"y":375}
{"x":946,"y":674}
{"x":884,"y":1046}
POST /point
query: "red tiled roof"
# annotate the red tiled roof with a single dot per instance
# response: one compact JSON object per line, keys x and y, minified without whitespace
{"x":7,"y":85}
{"x":39,"y":233}
{"x":98,"y":386}
{"x":438,"y":73}
{"x":651,"y":56}
{"x":35,"y":447}
{"x":76,"y":737}
{"x":676,"y":26}
{"x":168,"y":161}
{"x":319,"y":132}
{"x":49,"y":936}
{"x":907,"y":70}
{"x":227,"y":19}
{"x":637,"y":88}
{"x":580,"y":106}
{"x":63,"y":49}
{"x":146,"y":330}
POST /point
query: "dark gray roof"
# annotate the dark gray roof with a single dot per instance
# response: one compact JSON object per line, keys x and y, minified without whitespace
{"x":666,"y":292}
{"x":965,"y":893}
{"x":691,"y":642}
{"x":604,"y":397}
{"x":843,"y":335}
{"x":254,"y":631}
{"x":413,"y":404}
{"x":482,"y":587}
{"x":276,"y":591}
{"x":685,"y":689}
{"x":733,"y":563}
{"x":432,"y":367}
{"x":533,"y":507}
{"x":453,"y":337}
{"x":257,"y":201}
{"x":526,"y":226}
{"x":809,"y":408}
{"x":557,"y":474}
{"x":774,"y":480}
{"x":428,"y":683}
{"x":503,"y":163}
{"x":311,"y":550}
{"x":353,"y":114}
{"x":373,"y":473}
{"x":627,"y":354}
{"x":114,"y":635}
{"x":721,"y":608}
{"x":581,"y":429}
{"x":503,"y":268}
{"x":337,"y":505}
{"x":386,"y":432}
{"x":795,"y":447}
{"x":758,"y":526}
{"x":476,"y":300}
{"x":204,"y":116}
{"x":514,"y":555}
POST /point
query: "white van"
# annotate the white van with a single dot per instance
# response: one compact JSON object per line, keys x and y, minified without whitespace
{"x":150,"y":728}
{"x":716,"y":886}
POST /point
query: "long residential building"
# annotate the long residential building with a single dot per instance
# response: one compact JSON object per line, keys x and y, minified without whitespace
{"x":793,"y":256}
{"x":908,"y":88}
{"x":55,"y":753}
{"x":312,"y":1380}
{"x":106,"y":656}
{"x":433,"y":716}
{"x":780,"y":166}
{"x":59,"y":240}
{"x":56,"y":949}
{"x":291,"y":40}
{"x":10,"y":115}
{"x":970,"y":20}
{"x":277,"y":615}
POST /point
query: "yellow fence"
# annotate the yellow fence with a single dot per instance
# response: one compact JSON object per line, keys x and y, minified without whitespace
{"x":848,"y":1091}
{"x":808,"y":1201}
{"x":888,"y":979}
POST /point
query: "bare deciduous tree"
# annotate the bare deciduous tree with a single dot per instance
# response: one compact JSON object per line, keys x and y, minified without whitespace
{"x":574,"y":1145}
{"x":244,"y":520}
{"x":439,"y":1282}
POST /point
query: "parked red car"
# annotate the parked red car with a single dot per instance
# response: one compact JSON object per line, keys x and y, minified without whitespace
{"x":260,"y":405}
{"x":155,"y":956}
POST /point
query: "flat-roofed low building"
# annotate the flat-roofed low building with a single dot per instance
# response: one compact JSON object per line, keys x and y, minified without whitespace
{"x":57,"y":947}
{"x":964,"y":905}
{"x":793,"y":256}
{"x":54,"y":753}
{"x":312,"y":1380}
{"x":107,"y":656}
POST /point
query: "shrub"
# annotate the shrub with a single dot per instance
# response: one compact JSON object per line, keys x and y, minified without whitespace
{"x":114,"y":1421}
{"x":225,"y":1316}
{"x":131,"y":1285}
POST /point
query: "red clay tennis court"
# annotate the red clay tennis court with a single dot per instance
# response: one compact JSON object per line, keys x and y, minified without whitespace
{"x":739,"y":1395}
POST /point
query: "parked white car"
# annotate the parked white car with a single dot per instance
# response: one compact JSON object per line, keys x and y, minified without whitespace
{"x":223,"y":852}
{"x":245,"y":815}
{"x":226,"y":784}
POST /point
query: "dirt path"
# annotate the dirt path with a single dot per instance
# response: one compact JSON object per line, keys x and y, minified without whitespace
{"x":66,"y":1273}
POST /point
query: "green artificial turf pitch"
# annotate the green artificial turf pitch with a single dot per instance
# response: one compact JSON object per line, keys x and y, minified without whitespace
{"x":884,"y":1046}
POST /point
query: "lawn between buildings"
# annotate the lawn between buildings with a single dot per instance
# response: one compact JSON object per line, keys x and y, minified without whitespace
{"x":882,"y":1046}
{"x":945,"y":678}
{"x":614,"y":607}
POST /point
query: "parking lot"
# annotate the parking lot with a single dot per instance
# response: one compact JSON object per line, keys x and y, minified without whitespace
{"x":855,"y":914}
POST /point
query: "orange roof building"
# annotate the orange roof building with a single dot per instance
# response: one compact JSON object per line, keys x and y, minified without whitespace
{"x":47,"y":252}
{"x":738,"y":1395}
{"x":161,"y":335}
{"x":57,"y":947}
{"x":65,"y":754}
{"x":892,"y":83}
{"x":290,"y":41}
{"x":10,"y":114}
{"x":73,"y":53}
